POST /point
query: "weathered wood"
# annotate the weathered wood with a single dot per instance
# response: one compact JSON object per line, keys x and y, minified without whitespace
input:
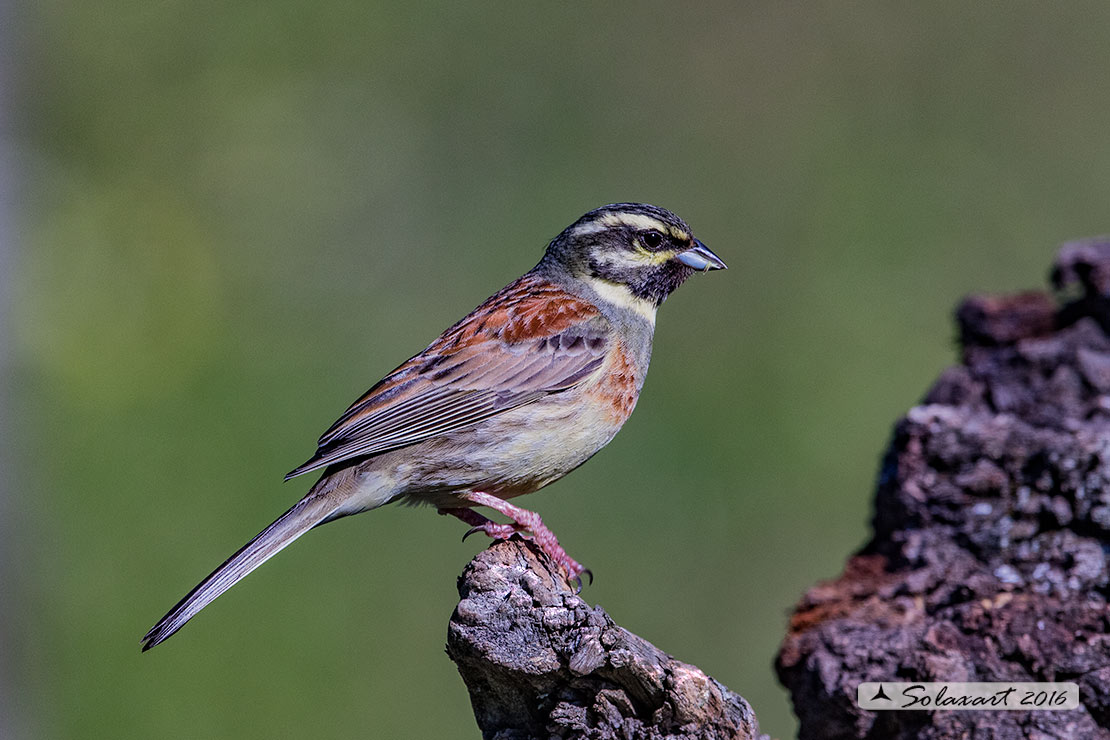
{"x":540,"y":662}
{"x":989,"y":559}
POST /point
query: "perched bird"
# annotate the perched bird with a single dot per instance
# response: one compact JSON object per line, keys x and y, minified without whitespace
{"x":517,"y":394}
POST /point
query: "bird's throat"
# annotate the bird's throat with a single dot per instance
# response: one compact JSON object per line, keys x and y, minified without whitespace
{"x":621,"y":297}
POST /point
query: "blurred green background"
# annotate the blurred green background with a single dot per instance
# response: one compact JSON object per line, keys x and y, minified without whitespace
{"x":232,"y":219}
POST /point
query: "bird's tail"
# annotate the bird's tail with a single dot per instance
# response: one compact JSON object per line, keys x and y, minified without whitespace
{"x":311,"y":510}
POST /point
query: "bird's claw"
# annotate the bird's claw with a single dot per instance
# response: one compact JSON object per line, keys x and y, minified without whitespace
{"x":578,"y":580}
{"x":494,"y":530}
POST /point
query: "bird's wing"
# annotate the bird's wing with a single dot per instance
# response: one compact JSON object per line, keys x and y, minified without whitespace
{"x":529,"y":340}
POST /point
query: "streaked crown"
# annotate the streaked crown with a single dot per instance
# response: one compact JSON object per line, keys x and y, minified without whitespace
{"x":645,"y":250}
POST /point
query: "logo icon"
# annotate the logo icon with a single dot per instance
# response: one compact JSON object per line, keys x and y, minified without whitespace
{"x":880,"y":694}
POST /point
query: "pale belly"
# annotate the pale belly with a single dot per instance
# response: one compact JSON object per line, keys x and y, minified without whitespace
{"x":510,"y":454}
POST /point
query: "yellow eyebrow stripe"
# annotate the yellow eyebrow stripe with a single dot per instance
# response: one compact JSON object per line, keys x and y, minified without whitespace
{"x":635,"y":220}
{"x":638,"y":221}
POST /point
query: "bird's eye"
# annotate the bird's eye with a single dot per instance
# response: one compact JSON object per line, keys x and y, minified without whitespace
{"x":652,"y":239}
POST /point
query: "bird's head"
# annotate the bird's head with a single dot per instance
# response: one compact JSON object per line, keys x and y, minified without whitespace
{"x":631,"y":253}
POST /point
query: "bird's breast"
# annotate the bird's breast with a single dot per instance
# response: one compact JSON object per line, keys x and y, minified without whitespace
{"x":522,"y":450}
{"x":617,"y":387}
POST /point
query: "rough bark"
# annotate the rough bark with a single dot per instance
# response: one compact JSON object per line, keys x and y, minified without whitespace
{"x":991,"y":532}
{"x":541,"y":663}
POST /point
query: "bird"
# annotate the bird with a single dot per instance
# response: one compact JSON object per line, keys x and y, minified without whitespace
{"x":521,"y":391}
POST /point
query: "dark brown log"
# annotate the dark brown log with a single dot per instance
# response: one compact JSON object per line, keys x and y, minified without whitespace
{"x":539,"y":662}
{"x":989,"y":559}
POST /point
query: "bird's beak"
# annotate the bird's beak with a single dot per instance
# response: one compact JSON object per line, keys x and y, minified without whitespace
{"x":700,"y":258}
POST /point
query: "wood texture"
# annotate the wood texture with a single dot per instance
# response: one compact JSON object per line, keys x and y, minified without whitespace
{"x":989,"y":559}
{"x":540,"y":662}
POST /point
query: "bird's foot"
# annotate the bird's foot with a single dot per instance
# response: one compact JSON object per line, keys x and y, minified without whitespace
{"x":546,"y":540}
{"x":479,"y":523}
{"x":495,"y":530}
{"x":522,"y":521}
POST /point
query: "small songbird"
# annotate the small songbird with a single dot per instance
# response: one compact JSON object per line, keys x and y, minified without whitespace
{"x":517,"y":394}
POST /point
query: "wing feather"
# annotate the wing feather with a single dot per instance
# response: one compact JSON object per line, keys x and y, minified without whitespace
{"x":530,"y":340}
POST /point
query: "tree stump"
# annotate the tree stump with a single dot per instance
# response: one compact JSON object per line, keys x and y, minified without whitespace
{"x":539,"y":662}
{"x":989,"y":559}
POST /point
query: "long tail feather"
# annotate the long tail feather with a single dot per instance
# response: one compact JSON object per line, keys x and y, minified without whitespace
{"x":310,"y":511}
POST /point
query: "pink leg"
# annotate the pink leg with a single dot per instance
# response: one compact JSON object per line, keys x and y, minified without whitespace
{"x":479,"y":523}
{"x":523,"y":520}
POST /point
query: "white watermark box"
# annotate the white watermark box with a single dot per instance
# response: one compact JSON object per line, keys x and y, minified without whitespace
{"x":935,"y":696}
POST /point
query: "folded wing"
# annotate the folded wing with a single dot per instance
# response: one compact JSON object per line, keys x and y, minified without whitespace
{"x":530,"y":340}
